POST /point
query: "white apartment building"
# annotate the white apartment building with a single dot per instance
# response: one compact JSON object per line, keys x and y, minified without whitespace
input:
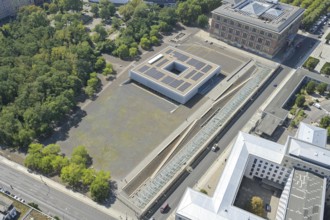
{"x":301,"y":168}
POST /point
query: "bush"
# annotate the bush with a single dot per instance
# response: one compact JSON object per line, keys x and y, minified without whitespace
{"x":203,"y":191}
{"x":300,"y":100}
{"x":325,"y":69}
{"x":321,"y":88}
{"x":256,"y":206}
{"x":311,"y":63}
{"x":310,"y":88}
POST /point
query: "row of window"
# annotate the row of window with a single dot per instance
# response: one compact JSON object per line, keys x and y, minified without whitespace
{"x":245,"y":27}
{"x":250,"y":44}
{"x":305,"y":167}
{"x":244,"y":35}
{"x":272,"y":178}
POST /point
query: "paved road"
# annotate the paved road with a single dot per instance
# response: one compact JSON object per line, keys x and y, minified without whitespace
{"x":232,"y":130}
{"x":50,"y":200}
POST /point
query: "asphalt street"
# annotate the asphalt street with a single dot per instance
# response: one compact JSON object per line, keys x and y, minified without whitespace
{"x":50,"y":200}
{"x":225,"y":140}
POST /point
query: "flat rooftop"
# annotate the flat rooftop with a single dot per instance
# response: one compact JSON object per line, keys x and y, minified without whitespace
{"x":268,"y":14}
{"x":309,"y":152}
{"x":176,"y":70}
{"x":305,"y":200}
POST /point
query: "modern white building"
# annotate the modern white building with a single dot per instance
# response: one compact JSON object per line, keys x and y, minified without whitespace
{"x":301,"y":167}
{"x":175,"y":74}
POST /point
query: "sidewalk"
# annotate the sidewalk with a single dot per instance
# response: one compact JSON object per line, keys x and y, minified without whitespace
{"x":109,"y":211}
{"x":322,"y":52}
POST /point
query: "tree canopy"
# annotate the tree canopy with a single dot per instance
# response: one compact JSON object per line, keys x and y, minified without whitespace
{"x":43,"y":67}
{"x":300,"y":101}
{"x":256,"y":206}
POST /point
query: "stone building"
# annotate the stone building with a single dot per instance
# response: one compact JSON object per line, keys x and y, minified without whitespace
{"x":260,"y":26}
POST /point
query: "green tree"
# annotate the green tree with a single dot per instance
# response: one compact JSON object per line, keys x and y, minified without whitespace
{"x":188,"y":11}
{"x":126,"y":11}
{"x":321,"y":88}
{"x":80,"y":156}
{"x":310,"y":88}
{"x":88,"y":176}
{"x":145,"y":43}
{"x":107,"y":10}
{"x":108,"y":70}
{"x":58,"y":162}
{"x":202,"y":21}
{"x":325,"y":122}
{"x":75,"y":5}
{"x":256,"y":206}
{"x":45,"y":165}
{"x":122,"y":51}
{"x":95,"y":10}
{"x":42,"y":75}
{"x":52,"y":8}
{"x":101,"y":31}
{"x":300,"y":100}
{"x":325,"y":69}
{"x":100,"y":187}
{"x":311,"y":63}
{"x":100,"y":64}
{"x":133,"y":52}
{"x":168,"y":15}
{"x":154,"y":40}
{"x":92,"y":84}
{"x":72,"y":174}
{"x":115,"y":23}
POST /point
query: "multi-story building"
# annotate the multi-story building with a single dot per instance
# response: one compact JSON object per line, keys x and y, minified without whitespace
{"x":300,"y":169}
{"x":175,"y":74}
{"x":10,"y":7}
{"x":260,"y":26}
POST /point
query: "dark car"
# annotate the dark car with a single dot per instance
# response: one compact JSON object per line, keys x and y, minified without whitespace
{"x":164,"y":208}
{"x":7,"y":192}
{"x":268,"y":208}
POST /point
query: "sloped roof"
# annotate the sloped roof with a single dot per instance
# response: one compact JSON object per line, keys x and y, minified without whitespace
{"x":312,"y":134}
{"x":256,"y":8}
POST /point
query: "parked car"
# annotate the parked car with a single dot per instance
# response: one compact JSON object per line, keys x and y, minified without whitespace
{"x":268,"y":208}
{"x":7,"y":192}
{"x":215,"y":147}
{"x":164,"y":208}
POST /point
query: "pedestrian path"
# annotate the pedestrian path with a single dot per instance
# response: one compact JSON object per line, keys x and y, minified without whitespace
{"x":322,"y":52}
